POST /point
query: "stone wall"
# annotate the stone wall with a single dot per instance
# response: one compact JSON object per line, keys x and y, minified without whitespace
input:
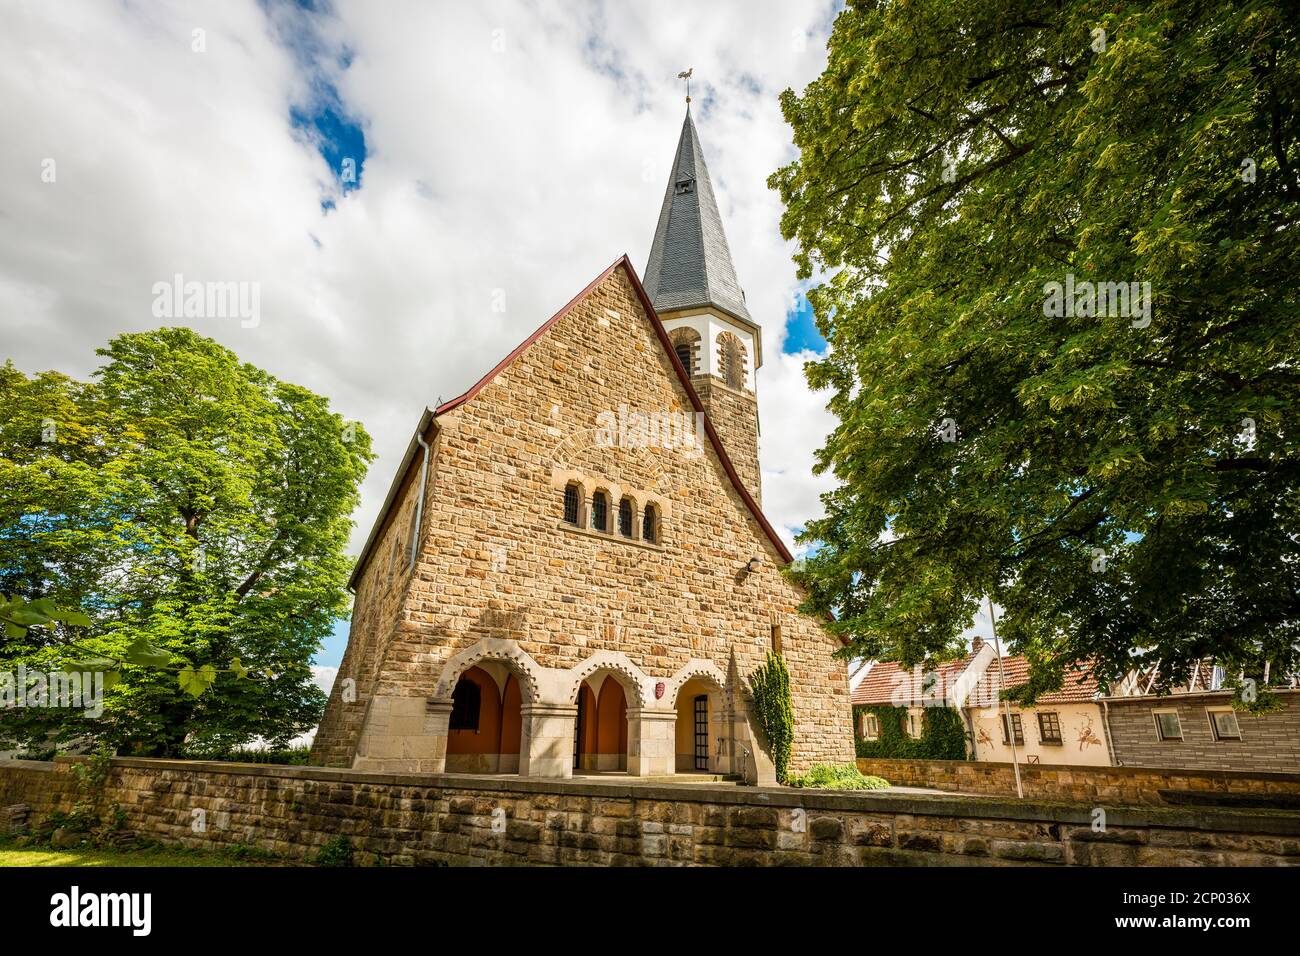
{"x":499,"y":567}
{"x":1269,"y":742}
{"x":1093,"y":785}
{"x":439,"y":819}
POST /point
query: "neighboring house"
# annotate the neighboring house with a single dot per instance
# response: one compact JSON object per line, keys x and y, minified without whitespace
{"x":1065,"y":727}
{"x":1196,"y":727}
{"x":572,"y":570}
{"x":886,"y":684}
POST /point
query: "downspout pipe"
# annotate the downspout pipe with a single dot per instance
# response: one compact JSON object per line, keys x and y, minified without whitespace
{"x":1110,"y":741}
{"x":419,"y":502}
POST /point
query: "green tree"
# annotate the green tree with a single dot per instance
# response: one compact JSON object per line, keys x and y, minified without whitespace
{"x":1120,"y":486}
{"x":197,"y":510}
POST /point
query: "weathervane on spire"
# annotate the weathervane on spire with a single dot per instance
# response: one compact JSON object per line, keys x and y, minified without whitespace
{"x":686,"y":75}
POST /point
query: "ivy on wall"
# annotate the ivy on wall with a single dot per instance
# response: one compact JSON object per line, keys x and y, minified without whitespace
{"x":943,"y":736}
{"x":770,"y":684}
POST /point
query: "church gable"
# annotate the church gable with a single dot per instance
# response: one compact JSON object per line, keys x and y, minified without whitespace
{"x":608,"y":409}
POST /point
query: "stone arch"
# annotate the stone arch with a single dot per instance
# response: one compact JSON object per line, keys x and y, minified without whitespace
{"x":732,"y":359}
{"x":620,"y":667}
{"x":697,"y":668}
{"x":686,"y":343}
{"x":508,"y":652}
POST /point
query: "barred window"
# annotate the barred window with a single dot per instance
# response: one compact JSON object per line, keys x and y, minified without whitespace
{"x":625,"y":518}
{"x":465,"y":705}
{"x":600,"y":511}
{"x":683,"y":351}
{"x":571,"y":504}
{"x":650,"y":524}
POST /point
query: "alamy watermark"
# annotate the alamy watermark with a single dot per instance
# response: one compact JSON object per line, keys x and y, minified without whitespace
{"x":1127,"y":300}
{"x":628,"y":429}
{"x":40,"y":689}
{"x":179,"y":299}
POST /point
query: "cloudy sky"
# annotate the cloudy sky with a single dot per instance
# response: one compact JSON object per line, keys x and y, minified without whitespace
{"x":505,"y":153}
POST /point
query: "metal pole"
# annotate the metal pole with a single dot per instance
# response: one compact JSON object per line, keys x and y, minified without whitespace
{"x":1006,"y":704}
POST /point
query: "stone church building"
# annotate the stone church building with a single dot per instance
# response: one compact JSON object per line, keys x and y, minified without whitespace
{"x":571,"y":571}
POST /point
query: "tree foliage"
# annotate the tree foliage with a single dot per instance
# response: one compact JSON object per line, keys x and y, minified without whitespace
{"x":1127,"y":491}
{"x":197,"y":510}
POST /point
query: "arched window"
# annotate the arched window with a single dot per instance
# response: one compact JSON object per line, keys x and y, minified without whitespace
{"x":625,"y":518}
{"x":465,"y":705}
{"x":686,"y":343}
{"x":650,"y":524}
{"x":600,"y":511}
{"x":571,"y":502}
{"x":731,"y":360}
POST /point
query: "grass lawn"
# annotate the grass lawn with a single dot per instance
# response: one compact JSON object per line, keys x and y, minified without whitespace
{"x":11,"y":855}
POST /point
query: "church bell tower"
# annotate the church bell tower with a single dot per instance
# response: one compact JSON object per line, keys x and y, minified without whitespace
{"x":692,"y":283}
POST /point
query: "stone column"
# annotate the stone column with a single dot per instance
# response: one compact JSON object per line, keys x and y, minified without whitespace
{"x":651,"y":743}
{"x":752,"y":758}
{"x":405,"y":735}
{"x":547,"y":740}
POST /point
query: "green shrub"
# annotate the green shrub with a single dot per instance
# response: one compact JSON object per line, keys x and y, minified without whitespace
{"x":843,"y":776}
{"x":337,"y":852}
{"x":293,"y":756}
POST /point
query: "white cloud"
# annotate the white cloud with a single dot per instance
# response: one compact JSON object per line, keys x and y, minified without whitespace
{"x":526,"y":170}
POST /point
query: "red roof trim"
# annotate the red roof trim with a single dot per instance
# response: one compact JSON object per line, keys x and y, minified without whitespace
{"x":681,"y":376}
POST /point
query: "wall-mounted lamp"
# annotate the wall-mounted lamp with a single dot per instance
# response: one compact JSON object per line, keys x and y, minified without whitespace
{"x":752,"y":565}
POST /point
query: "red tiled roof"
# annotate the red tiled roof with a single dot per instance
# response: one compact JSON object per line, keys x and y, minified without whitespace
{"x":889,"y":683}
{"x":1079,"y":686}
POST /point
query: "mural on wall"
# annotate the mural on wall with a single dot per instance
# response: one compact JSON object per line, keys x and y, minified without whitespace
{"x":984,"y":737}
{"x":1087,"y":738}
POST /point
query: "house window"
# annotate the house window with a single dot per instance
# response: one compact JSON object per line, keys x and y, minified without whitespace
{"x":465,"y":705}
{"x":625,"y":518}
{"x":1049,"y":728}
{"x":1168,"y":727}
{"x":776,"y":638}
{"x":600,"y":511}
{"x":1223,"y":721}
{"x":571,"y":501}
{"x":1016,"y":727}
{"x":870,"y":727}
{"x":650,"y":524}
{"x":914,"y":725}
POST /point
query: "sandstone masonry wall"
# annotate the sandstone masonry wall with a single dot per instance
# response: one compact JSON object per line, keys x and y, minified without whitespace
{"x":442,"y":819}
{"x":1096,"y":785}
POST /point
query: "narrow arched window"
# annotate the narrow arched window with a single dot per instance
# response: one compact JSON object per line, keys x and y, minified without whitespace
{"x":600,"y":511}
{"x":731,"y":360}
{"x":625,"y":518}
{"x":465,"y":700}
{"x":650,"y":524}
{"x":686,"y":344}
{"x":571,"y":500}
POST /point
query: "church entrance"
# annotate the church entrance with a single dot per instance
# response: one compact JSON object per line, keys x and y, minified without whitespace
{"x":486,"y":721}
{"x":699,"y":721}
{"x":600,"y":731}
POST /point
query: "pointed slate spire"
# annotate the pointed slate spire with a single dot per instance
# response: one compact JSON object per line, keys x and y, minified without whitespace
{"x":690,"y":262}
